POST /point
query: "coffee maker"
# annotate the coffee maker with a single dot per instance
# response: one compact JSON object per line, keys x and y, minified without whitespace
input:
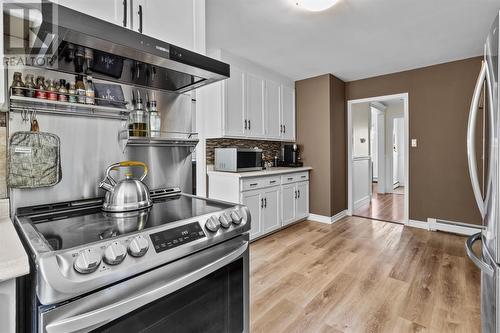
{"x":291,"y":156}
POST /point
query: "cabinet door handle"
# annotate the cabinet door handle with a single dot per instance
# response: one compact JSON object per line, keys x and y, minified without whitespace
{"x":261,"y":203}
{"x":125,"y":2}
{"x":290,"y":178}
{"x":295,"y":194}
{"x":246,"y":124}
{"x":140,"y":18}
{"x":298,"y":191}
{"x":284,"y":128}
{"x":265,"y":202}
{"x":249,"y":124}
{"x":272,"y":182}
{"x":281,"y":128}
{"x":254,"y":184}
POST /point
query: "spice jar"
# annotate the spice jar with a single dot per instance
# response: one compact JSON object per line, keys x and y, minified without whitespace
{"x":30,"y":86}
{"x":40,"y":88}
{"x":17,"y":85}
{"x":72,"y":93}
{"x":62,"y":92}
{"x":51,"y":91}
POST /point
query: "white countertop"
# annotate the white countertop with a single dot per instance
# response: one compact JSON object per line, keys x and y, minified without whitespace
{"x":261,"y":173}
{"x":13,"y":258}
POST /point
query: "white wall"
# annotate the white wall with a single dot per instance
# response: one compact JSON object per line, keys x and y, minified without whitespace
{"x":398,"y":156}
{"x":361,"y":180}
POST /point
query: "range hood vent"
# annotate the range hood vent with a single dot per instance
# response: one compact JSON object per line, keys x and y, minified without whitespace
{"x":82,"y":44}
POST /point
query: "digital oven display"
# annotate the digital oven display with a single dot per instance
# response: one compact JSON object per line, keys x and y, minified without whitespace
{"x":174,"y":237}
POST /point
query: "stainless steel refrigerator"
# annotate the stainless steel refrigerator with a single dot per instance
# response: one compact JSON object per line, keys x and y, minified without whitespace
{"x":485,"y":105}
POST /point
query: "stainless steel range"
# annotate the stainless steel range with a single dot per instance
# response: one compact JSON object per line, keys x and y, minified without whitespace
{"x":179,"y":266}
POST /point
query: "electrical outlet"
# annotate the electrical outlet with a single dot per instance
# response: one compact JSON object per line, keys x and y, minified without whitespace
{"x":413,"y":143}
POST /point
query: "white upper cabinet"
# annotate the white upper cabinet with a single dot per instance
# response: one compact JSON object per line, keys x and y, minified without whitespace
{"x":234,"y":104}
{"x":287,"y":113}
{"x":171,"y":21}
{"x":253,"y":103}
{"x":272,"y":110}
{"x":254,"y":106}
{"x":113,"y":11}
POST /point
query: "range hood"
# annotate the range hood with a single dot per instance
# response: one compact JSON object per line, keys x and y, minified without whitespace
{"x":117,"y":54}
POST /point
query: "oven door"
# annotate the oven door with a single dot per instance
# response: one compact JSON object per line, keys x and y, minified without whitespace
{"x":204,"y":292}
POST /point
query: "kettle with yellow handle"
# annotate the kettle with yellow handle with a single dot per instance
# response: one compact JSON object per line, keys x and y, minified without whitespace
{"x":127,"y":194}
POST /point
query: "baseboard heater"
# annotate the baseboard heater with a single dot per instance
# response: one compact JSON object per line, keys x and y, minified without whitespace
{"x":453,"y":226}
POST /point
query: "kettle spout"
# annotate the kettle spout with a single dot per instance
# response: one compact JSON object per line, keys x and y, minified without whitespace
{"x":106,"y":186}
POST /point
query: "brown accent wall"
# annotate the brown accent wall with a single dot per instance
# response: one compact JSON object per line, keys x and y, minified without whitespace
{"x":439,"y":100}
{"x":320,"y":106}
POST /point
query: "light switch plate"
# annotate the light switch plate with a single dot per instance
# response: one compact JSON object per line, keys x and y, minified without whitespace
{"x":413,"y":142}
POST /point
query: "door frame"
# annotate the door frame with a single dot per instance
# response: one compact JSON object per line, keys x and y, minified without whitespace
{"x":405,"y":98}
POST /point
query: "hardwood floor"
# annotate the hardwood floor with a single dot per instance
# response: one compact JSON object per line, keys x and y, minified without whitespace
{"x":386,"y":207}
{"x":359,"y":275}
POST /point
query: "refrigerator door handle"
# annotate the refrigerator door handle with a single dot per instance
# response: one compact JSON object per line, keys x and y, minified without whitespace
{"x":471,"y":133}
{"x":484,"y":267}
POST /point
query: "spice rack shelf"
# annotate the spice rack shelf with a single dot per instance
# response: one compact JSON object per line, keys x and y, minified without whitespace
{"x":29,"y":104}
{"x":162,"y":139}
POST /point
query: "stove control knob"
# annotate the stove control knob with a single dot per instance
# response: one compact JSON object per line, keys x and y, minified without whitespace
{"x":236,"y":217}
{"x":87,"y":261}
{"x":225,"y":221}
{"x":138,"y":246}
{"x":212,"y":224}
{"x":114,"y":253}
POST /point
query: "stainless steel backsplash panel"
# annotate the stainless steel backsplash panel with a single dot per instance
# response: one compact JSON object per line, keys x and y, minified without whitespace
{"x":89,"y":145}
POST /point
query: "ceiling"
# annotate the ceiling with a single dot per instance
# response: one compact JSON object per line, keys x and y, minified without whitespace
{"x":354,"y":39}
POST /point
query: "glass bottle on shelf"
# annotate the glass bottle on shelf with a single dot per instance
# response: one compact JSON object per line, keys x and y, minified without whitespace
{"x":80,"y":89}
{"x":72,"y":98}
{"x":17,"y":85}
{"x":30,"y":86}
{"x":154,"y":118}
{"x":89,"y":91}
{"x":138,"y":119}
{"x":40,"y":91}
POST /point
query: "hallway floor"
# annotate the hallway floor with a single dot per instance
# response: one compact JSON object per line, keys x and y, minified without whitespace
{"x":386,"y":207}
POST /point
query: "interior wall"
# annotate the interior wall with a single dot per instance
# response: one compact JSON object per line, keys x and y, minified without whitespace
{"x":439,"y":100}
{"x":321,"y":133}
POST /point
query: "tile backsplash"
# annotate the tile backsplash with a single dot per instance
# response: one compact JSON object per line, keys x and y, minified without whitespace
{"x":269,"y":148}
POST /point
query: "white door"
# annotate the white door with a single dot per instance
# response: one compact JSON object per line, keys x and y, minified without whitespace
{"x":254,"y":105}
{"x":112,"y":11}
{"x":288,"y":113}
{"x":288,"y":203}
{"x":271,"y":209}
{"x":171,"y":21}
{"x":302,"y":207}
{"x":272,"y":110}
{"x":252,"y":200}
{"x":234,"y":103}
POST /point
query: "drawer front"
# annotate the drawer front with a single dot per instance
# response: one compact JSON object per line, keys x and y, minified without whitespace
{"x":261,"y":182}
{"x":294,"y":177}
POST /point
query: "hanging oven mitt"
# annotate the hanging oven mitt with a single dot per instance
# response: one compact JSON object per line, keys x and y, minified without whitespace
{"x":34,"y":159}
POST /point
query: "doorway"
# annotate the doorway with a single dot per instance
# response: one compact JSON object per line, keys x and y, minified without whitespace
{"x":378,"y":158}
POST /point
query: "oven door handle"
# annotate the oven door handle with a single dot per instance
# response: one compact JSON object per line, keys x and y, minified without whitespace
{"x":157,"y":284}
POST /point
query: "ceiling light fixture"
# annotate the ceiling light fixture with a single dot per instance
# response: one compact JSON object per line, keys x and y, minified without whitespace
{"x":315,"y":5}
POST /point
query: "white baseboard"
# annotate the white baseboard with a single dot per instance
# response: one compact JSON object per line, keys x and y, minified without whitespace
{"x":362,"y":201}
{"x":327,"y":219}
{"x":418,"y":224}
{"x":453,"y":227}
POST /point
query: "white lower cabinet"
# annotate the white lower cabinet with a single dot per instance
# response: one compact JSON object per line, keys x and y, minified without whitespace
{"x":295,"y":201}
{"x":273,"y":201}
